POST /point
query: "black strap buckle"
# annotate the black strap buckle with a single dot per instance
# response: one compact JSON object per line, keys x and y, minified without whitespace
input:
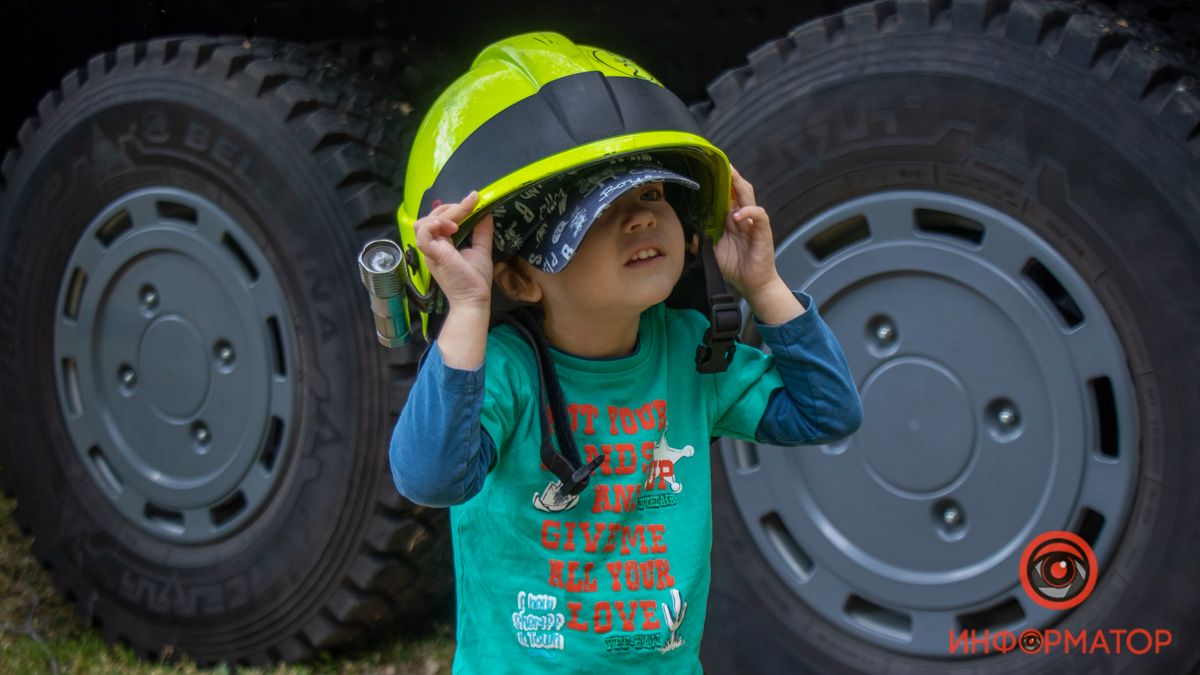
{"x":716,"y":351}
{"x":577,"y":480}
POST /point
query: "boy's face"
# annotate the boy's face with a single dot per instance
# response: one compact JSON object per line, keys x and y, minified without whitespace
{"x":630,"y":258}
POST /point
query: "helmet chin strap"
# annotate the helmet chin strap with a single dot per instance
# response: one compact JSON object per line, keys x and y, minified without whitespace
{"x":573,"y":474}
{"x":724,"y":316}
{"x":715,"y":352}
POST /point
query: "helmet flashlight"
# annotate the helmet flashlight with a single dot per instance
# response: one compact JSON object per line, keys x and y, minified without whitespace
{"x":379,"y":265}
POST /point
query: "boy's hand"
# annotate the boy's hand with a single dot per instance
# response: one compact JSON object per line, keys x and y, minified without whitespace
{"x":464,"y":275}
{"x":746,"y":256}
{"x":746,"y":252}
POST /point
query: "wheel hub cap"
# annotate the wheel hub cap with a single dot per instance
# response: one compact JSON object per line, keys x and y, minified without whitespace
{"x":937,"y":424}
{"x":997,"y":406}
{"x":173,"y":353}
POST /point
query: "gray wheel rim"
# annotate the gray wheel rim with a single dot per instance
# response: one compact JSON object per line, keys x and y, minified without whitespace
{"x":997,"y":406}
{"x":173,"y":351}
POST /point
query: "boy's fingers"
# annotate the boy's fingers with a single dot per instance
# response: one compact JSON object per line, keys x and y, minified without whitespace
{"x":732,"y":224}
{"x":424,"y":236}
{"x":457,"y":210}
{"x":754,"y":212}
{"x":435,"y":251}
{"x":435,"y":228}
{"x":481,"y":235}
{"x":743,"y":191}
{"x":748,"y":217}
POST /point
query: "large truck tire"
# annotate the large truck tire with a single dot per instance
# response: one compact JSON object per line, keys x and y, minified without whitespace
{"x":994,"y":206}
{"x":196,"y":413}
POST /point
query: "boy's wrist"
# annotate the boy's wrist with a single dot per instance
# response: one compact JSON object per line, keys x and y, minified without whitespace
{"x":774,"y":303}
{"x":463,"y":337}
{"x":471,"y":307}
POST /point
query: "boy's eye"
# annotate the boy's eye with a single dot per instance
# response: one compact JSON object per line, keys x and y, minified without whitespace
{"x":652,"y":194}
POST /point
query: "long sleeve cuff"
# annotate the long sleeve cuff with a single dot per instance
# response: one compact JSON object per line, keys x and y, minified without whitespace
{"x":819,"y":401}
{"x":439,"y":453}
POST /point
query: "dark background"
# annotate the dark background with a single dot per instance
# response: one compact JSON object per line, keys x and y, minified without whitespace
{"x":684,"y":44}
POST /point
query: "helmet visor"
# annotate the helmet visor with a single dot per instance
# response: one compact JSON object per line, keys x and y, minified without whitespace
{"x":545,"y":224}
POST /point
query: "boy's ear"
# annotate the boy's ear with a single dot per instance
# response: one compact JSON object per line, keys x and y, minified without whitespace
{"x":516,"y":282}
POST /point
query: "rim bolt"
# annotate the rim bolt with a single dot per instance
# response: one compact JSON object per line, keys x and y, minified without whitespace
{"x":200,"y":434}
{"x":951,"y":515}
{"x":1007,"y":416}
{"x":225,"y":354}
{"x":128,"y":377}
{"x":150,"y":297}
{"x":885,"y":333}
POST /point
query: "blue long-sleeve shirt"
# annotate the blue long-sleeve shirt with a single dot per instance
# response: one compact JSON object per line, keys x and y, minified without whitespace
{"x":440,"y":454}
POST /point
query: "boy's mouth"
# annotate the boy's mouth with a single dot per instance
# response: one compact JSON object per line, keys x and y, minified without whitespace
{"x":644,"y":255}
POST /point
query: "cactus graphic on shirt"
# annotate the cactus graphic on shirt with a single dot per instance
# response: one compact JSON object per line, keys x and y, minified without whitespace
{"x":674,"y":618}
{"x":664,"y":454}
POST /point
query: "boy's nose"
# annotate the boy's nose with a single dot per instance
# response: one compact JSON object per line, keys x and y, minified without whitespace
{"x":638,"y":219}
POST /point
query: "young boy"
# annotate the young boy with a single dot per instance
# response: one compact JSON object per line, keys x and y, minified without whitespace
{"x":619,"y":574}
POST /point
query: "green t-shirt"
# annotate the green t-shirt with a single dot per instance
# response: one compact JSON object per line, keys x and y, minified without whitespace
{"x":620,"y":576}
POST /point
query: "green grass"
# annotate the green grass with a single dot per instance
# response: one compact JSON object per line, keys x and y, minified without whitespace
{"x":39,"y":632}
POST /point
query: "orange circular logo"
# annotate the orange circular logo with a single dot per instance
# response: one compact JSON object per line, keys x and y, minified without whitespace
{"x":1030,"y":641}
{"x":1058,"y":570}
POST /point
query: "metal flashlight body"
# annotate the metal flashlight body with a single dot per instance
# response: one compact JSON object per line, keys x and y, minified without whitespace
{"x":379,"y":265}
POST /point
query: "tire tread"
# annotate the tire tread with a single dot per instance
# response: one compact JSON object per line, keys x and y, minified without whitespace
{"x":1133,"y":53}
